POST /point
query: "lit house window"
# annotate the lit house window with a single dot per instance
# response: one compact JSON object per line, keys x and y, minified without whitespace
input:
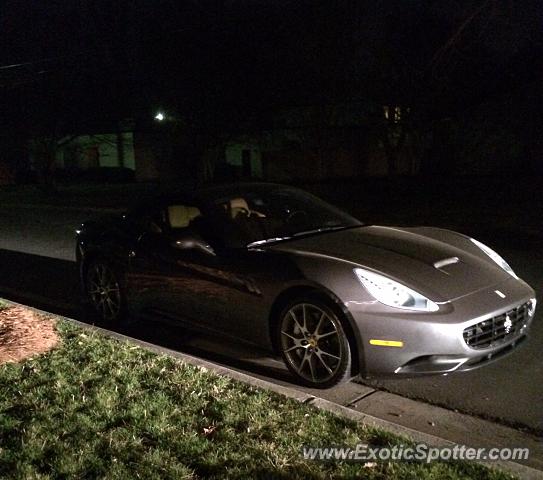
{"x":393,"y":112}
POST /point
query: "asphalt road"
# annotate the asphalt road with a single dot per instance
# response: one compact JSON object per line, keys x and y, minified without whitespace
{"x":37,"y":267}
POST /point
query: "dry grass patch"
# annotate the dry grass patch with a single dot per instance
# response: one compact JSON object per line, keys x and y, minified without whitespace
{"x":24,"y":333}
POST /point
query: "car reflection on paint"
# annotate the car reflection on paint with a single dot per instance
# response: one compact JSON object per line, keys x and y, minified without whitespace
{"x":280,"y":269}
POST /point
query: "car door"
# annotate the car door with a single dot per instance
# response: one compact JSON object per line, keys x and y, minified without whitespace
{"x":188,"y":285}
{"x":223,"y":293}
{"x":160,"y":276}
{"x":227,"y":291}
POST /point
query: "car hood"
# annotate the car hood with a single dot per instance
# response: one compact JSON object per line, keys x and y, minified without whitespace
{"x":421,"y":258}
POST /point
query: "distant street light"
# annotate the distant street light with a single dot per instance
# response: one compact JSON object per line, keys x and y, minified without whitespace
{"x":159,"y":116}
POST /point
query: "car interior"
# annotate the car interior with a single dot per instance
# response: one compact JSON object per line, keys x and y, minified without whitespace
{"x":235,"y":221}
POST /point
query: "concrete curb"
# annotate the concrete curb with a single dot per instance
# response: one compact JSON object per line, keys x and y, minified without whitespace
{"x":519,"y":470}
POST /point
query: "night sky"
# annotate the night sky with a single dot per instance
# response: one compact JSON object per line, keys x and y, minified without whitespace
{"x":201,"y":58}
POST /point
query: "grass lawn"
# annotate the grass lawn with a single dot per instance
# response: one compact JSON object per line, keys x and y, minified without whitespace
{"x":99,"y":408}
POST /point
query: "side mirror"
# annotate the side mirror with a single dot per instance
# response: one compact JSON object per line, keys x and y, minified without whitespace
{"x":191,"y":242}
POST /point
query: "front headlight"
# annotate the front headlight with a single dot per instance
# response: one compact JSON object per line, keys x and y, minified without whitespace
{"x":392,"y":293}
{"x":494,"y":256}
{"x":531,"y":308}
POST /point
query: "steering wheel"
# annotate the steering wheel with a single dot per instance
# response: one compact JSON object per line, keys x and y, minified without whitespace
{"x":243,"y":212}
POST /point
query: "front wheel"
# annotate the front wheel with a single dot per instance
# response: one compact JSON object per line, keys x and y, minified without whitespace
{"x":313,"y":343}
{"x":104,"y":292}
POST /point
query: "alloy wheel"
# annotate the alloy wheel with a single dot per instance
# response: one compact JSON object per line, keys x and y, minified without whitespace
{"x":104,"y":291}
{"x":313,"y":343}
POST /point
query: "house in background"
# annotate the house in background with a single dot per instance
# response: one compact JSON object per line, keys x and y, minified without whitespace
{"x":126,"y":154}
{"x":305,"y":143}
{"x":245,"y":158}
{"x":317,"y":142}
{"x":84,"y":152}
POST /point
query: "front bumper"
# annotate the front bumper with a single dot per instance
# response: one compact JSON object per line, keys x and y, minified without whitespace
{"x":421,"y":343}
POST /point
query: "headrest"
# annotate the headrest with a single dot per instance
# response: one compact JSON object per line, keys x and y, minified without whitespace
{"x":237,"y":205}
{"x":180,"y":216}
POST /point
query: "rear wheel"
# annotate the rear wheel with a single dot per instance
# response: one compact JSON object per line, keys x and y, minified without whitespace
{"x":104,"y":292}
{"x":313,"y":343}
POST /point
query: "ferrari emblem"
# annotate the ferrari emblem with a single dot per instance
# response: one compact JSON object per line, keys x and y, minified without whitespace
{"x":507,"y":324}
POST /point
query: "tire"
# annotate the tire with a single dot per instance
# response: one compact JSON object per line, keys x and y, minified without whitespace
{"x":104,"y":293}
{"x":313,"y":343}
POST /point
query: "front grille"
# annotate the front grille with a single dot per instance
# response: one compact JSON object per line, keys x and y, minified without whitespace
{"x":496,"y":330}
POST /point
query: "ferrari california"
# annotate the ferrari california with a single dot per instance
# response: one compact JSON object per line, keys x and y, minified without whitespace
{"x":280,"y":269}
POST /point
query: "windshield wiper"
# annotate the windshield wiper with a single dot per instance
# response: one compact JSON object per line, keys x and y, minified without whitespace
{"x":298,"y":234}
{"x":320,"y":229}
{"x":266,"y":241}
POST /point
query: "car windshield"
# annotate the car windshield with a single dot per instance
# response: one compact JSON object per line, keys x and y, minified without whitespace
{"x":266,"y":215}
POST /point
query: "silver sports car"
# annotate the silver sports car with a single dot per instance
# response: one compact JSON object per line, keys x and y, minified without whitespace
{"x":277,"y":267}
